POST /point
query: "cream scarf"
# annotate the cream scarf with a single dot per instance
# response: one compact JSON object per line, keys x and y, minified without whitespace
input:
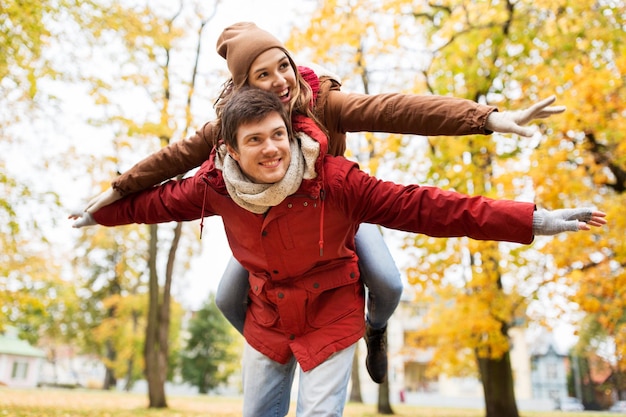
{"x":258,"y":198}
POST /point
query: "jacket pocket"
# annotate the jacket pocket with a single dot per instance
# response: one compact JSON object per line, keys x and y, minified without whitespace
{"x":333,"y":295}
{"x":263,"y":313}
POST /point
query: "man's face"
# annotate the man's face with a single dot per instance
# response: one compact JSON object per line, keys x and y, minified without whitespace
{"x":264,"y":154}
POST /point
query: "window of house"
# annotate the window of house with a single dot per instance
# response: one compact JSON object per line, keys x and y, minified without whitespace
{"x":554,"y":394}
{"x":533,"y":365}
{"x":551,"y":371}
{"x":20,"y":370}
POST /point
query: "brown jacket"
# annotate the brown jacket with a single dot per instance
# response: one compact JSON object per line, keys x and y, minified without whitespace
{"x":339,"y":112}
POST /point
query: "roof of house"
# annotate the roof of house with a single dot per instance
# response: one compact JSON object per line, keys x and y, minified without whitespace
{"x":545,"y":344}
{"x":11,"y":344}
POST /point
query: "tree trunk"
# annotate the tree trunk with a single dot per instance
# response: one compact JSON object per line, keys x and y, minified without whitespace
{"x":158,"y":328}
{"x":497,"y":380}
{"x":53,"y":359}
{"x":355,"y":391}
{"x":202,"y":385}
{"x":115,"y":288}
{"x":620,"y":383}
{"x":109,"y":377}
{"x":384,"y":406}
{"x":129,"y":375}
{"x":152,"y":350}
{"x":130,"y":364}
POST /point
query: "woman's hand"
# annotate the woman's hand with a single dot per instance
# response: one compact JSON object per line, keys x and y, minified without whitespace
{"x":104,"y":199}
{"x":82,"y":219}
{"x":513,"y":121}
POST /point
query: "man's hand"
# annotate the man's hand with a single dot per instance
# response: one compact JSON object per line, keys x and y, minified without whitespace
{"x":513,"y":121}
{"x":104,"y":199}
{"x":82,"y":219}
{"x":547,"y":222}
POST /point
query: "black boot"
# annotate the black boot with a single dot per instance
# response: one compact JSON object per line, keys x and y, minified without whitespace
{"x":376,"y":360}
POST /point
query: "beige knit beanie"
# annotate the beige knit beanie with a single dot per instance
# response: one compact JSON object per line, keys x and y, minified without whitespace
{"x":240,"y":44}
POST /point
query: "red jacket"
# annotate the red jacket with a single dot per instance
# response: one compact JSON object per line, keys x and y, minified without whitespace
{"x":306,"y":296}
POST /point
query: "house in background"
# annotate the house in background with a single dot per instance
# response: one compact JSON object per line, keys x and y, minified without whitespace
{"x":20,"y":363}
{"x":540,"y":372}
{"x":67,"y":367}
{"x":549,"y":369}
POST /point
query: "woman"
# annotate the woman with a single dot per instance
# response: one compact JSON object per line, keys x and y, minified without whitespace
{"x":256,"y":58}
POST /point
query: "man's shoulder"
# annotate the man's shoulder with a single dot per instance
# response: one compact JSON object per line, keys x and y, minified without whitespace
{"x":209,"y":173}
{"x":338,"y":162}
{"x":337,"y":168}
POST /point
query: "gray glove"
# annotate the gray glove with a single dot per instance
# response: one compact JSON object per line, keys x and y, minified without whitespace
{"x":547,"y":222}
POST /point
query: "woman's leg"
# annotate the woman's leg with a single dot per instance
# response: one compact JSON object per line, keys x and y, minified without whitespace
{"x":379,"y":274}
{"x":266,"y":384}
{"x":384,"y":288}
{"x":322,"y":391}
{"x":232,"y":294}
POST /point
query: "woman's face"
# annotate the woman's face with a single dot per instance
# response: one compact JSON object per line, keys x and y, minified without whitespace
{"x":272,"y":71}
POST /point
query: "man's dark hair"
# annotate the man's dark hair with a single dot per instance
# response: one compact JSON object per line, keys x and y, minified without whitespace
{"x":249,"y":104}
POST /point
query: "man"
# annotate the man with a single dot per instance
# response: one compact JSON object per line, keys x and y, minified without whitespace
{"x":290,"y":213}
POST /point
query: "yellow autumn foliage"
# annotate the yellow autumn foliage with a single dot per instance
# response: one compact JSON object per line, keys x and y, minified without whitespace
{"x":509,"y":57}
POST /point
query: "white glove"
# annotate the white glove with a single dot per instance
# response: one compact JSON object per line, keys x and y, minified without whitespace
{"x":512,"y":121}
{"x":103,"y":199}
{"x":547,"y":222}
{"x":82,"y":219}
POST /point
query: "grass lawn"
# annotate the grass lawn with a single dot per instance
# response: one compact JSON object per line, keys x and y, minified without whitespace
{"x":47,"y":402}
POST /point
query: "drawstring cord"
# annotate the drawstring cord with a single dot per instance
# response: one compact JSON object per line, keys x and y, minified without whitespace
{"x":206,"y":186}
{"x":202,"y":214}
{"x":321,"y":242}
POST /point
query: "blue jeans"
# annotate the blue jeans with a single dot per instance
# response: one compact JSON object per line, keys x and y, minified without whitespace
{"x":378,"y":272}
{"x":267,"y":385}
{"x":232,"y":294}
